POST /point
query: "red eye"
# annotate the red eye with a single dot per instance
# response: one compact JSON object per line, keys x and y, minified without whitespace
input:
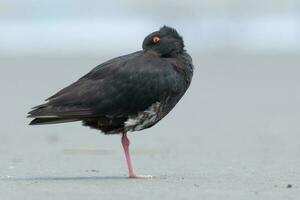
{"x":155,"y":39}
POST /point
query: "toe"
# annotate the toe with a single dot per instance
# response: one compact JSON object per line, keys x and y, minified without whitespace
{"x":141,"y":176}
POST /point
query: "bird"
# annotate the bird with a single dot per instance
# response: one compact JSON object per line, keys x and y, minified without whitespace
{"x":125,"y":94}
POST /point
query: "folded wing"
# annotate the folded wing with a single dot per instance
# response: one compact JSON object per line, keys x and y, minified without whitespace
{"x":121,"y":87}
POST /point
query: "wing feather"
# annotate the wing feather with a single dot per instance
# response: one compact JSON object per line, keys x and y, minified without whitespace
{"x":121,"y":87}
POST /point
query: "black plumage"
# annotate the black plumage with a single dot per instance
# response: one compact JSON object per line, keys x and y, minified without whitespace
{"x":124,"y":87}
{"x":128,"y":93}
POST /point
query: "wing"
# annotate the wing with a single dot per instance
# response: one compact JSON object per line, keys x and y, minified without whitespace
{"x":121,"y":87}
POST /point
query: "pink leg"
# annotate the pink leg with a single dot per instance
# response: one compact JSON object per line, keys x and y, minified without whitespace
{"x":126,"y":143}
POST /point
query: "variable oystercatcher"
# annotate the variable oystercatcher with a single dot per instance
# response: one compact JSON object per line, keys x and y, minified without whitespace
{"x":125,"y":94}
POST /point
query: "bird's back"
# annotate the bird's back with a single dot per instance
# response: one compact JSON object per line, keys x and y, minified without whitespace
{"x":128,"y":93}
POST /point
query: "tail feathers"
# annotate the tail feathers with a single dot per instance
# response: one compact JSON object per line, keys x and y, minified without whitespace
{"x":70,"y":112}
{"x":49,"y":114}
{"x":42,"y":121}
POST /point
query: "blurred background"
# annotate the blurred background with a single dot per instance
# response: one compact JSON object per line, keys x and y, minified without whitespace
{"x":235,"y":133}
{"x":77,"y":28}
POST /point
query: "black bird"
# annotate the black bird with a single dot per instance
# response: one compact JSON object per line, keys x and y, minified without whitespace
{"x":128,"y":93}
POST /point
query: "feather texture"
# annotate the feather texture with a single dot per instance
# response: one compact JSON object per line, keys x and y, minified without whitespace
{"x":119,"y":91}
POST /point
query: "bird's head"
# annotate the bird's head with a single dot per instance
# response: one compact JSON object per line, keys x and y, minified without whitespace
{"x":166,"y":42}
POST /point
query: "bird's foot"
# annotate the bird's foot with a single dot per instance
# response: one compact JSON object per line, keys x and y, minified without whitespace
{"x":140,"y":176}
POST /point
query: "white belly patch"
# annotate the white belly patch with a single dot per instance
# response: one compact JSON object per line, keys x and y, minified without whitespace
{"x":143,"y":119}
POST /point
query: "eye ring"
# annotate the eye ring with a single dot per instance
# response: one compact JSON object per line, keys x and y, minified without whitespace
{"x":156,"y":39}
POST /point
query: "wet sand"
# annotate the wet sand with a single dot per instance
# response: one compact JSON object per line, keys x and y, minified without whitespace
{"x":235,"y":135}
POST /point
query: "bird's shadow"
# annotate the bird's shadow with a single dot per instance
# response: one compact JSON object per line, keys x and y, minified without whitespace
{"x":61,"y":178}
{"x":76,"y":178}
